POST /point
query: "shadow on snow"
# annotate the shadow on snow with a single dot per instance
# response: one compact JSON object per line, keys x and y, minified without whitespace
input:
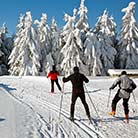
{"x":116,"y":118}
{"x":2,"y":119}
{"x":7,"y":87}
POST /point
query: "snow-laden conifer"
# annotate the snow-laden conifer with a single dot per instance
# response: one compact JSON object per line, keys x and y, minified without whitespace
{"x":106,"y":32}
{"x":13,"y":62}
{"x":92,"y":54}
{"x":82,"y":23}
{"x":44,"y":35}
{"x":72,"y":50}
{"x":27,"y":61}
{"x":128,"y":43}
{"x":55,"y":41}
{"x":5,"y":49}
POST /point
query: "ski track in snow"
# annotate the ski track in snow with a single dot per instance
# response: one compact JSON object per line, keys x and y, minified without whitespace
{"x":33,"y":92}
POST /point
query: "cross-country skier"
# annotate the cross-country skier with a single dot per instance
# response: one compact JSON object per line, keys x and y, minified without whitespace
{"x":53,"y":74}
{"x":126,"y":86}
{"x":77,"y":80}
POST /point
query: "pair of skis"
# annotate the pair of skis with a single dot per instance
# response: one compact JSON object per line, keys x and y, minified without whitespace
{"x":123,"y":119}
{"x":90,"y":126}
{"x":91,"y":121}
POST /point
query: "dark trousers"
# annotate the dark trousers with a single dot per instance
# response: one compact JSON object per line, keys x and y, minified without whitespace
{"x":52,"y":85}
{"x":73,"y":101}
{"x":116,"y":100}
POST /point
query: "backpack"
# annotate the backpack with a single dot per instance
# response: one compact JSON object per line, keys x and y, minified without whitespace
{"x":127,"y":84}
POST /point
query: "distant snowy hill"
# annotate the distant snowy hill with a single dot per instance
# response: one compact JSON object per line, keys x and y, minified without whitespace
{"x":29,"y":110}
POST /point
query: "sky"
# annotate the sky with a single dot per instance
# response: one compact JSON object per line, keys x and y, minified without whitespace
{"x":10,"y":10}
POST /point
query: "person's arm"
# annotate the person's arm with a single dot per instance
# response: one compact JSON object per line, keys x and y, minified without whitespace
{"x":49,"y":74}
{"x":66,"y":79}
{"x":115,"y":84}
{"x":85,"y":78}
{"x":133,"y":85}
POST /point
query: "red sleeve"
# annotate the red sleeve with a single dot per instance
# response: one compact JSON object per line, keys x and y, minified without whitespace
{"x":49,"y":74}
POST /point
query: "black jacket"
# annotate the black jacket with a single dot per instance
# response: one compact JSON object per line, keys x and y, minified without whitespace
{"x":77,"y":80}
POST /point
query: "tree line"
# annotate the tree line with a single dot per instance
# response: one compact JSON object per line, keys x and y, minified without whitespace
{"x":36,"y":46}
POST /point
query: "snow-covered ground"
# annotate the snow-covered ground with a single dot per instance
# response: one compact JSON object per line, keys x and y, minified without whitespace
{"x":29,"y":110}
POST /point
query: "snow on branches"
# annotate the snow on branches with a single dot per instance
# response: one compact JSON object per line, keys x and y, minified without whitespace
{"x":37,"y":46}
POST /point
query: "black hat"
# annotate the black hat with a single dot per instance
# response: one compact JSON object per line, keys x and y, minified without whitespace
{"x":54,"y":67}
{"x":76,"y":69}
{"x":123,"y":73}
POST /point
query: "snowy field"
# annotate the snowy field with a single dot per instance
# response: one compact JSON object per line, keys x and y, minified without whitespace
{"x":29,"y":110}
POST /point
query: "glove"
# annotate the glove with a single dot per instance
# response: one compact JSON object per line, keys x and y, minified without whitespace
{"x":63,"y":79}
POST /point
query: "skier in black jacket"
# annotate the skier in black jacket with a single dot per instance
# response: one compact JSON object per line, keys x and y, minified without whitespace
{"x":77,"y":80}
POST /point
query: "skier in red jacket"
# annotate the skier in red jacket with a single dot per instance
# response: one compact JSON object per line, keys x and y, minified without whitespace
{"x":54,"y":78}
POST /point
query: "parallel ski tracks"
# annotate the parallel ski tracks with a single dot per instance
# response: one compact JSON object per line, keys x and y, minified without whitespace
{"x":91,"y":132}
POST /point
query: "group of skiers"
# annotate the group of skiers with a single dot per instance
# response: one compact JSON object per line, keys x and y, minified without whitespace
{"x":126,"y":86}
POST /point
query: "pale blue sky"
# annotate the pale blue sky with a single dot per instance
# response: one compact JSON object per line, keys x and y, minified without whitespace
{"x":11,"y":9}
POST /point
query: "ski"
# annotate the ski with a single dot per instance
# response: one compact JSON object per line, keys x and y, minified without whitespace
{"x":123,"y":119}
{"x":93,"y":121}
{"x":90,"y":121}
{"x":86,"y":127}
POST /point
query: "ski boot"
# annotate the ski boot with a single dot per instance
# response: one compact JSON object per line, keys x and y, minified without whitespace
{"x":72,"y":119}
{"x":127,"y":118}
{"x":112,"y":113}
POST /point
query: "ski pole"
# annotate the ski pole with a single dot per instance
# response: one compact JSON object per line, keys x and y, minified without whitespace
{"x":92,"y":102}
{"x":134,"y":97}
{"x":61,"y":101}
{"x":48,"y":81}
{"x":134,"y":110}
{"x":108,"y":98}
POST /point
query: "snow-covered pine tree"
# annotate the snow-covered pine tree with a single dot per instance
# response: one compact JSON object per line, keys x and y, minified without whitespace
{"x":92,"y":54}
{"x":13,"y":62}
{"x":64,"y":33}
{"x":82,"y":23}
{"x":128,"y":43}
{"x":44,"y":34}
{"x":27,"y":61}
{"x":55,"y":41}
{"x":72,"y":50}
{"x":105,"y":30}
{"x":5,"y":49}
